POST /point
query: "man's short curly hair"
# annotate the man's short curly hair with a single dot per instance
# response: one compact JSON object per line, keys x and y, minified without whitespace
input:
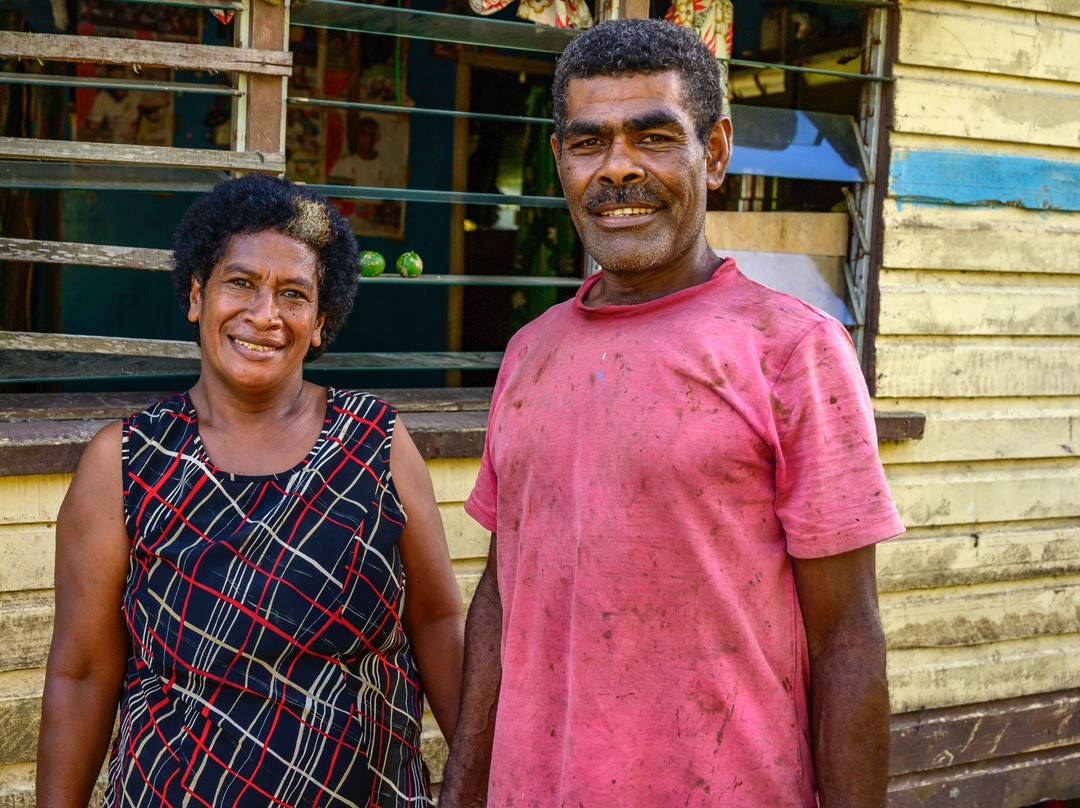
{"x":252,"y":204}
{"x":633,"y":45}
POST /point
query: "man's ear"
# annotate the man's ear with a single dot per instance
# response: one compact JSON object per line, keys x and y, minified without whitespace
{"x":719,"y":153}
{"x":556,"y":150}
{"x":194,"y":302}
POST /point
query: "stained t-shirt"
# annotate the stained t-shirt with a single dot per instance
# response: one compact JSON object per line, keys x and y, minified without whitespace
{"x":650,"y":470}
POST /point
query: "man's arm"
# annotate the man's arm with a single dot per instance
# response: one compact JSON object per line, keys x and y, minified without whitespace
{"x":849,"y":695}
{"x":465,"y":780}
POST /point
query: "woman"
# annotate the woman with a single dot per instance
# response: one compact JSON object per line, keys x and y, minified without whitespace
{"x":230,"y":563}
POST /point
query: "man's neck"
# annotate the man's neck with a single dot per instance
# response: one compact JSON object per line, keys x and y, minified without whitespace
{"x":629,"y":288}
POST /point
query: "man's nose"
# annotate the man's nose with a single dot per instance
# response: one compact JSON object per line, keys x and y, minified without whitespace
{"x":621,"y":165}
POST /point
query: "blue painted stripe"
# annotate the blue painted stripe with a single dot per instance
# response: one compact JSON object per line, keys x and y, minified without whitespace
{"x":966,"y":178}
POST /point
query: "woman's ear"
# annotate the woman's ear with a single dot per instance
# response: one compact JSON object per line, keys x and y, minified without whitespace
{"x":194,"y":302}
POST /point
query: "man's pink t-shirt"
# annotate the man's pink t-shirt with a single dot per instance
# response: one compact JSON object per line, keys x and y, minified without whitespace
{"x":649,"y":469}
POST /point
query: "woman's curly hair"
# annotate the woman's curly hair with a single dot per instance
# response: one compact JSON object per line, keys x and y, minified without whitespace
{"x":252,"y":204}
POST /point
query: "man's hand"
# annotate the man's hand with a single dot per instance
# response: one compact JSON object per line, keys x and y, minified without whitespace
{"x":465,"y":779}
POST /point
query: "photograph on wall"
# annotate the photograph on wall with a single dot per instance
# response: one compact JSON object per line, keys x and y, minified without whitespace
{"x":371,"y":151}
{"x":112,"y":113}
{"x":365,"y":147}
{"x":305,"y":126}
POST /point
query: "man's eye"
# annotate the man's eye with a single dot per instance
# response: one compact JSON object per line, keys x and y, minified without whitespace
{"x":586,"y":143}
{"x":241,"y":282}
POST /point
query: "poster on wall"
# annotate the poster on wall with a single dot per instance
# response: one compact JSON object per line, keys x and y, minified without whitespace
{"x":364,"y":148}
{"x":113,"y":113}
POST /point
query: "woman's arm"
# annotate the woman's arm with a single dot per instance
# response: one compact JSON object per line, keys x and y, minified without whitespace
{"x":433,"y":615}
{"x":88,"y":656}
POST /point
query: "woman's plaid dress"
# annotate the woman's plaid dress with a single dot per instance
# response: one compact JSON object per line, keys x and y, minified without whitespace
{"x":268,"y":664}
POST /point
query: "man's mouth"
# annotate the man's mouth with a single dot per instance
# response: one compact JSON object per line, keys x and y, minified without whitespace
{"x":251,"y":346}
{"x":625,"y":212}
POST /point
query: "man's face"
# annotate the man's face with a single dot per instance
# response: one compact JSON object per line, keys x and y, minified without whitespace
{"x":634,"y":172}
{"x":366,"y":138}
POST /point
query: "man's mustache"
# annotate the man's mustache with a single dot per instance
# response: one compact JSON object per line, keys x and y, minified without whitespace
{"x":623,"y":195}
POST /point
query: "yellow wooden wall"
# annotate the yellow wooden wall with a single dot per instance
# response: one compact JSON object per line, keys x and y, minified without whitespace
{"x":980,"y":330}
{"x":28,"y":507}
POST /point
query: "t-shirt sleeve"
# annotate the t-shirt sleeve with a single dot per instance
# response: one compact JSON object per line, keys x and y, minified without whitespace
{"x":482,"y":504}
{"x":831,"y":492}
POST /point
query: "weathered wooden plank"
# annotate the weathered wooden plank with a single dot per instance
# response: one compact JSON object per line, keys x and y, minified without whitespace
{"x":954,"y":367}
{"x":145,"y":53}
{"x":1015,"y":781}
{"x":993,"y":239}
{"x":447,"y":435}
{"x":464,"y":536}
{"x":983,"y":107}
{"x":926,"y":303}
{"x":111,"y":406}
{"x":97,"y":255}
{"x":1067,"y":8}
{"x":453,"y":478}
{"x":978,"y":554}
{"x":920,"y":678}
{"x":76,"y":343}
{"x":31,"y":499}
{"x":17,"y":786}
{"x":26,"y":625}
{"x":44,"y":447}
{"x":467,"y":584}
{"x":27,"y":553}
{"x":134,"y":154}
{"x":981,"y":613}
{"x":788,"y":232}
{"x":977,"y":493}
{"x":954,"y":177}
{"x":20,"y":713}
{"x":263,"y":126}
{"x":938,"y":739}
{"x":987,"y":429}
{"x":966,"y":36}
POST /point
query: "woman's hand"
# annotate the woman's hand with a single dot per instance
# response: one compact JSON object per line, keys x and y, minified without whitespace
{"x":88,"y":657}
{"x":433,"y":615}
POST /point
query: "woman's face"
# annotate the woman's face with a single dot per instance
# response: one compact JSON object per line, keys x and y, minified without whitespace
{"x":258,"y":312}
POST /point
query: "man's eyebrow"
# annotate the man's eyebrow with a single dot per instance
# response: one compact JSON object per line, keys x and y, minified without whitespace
{"x":647,"y":120}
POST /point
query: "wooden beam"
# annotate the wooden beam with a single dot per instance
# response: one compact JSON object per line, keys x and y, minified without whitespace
{"x":982,"y":39}
{"x":921,"y":678}
{"x":936,"y":739}
{"x":61,"y":252}
{"x":959,"y":367}
{"x":145,"y":53}
{"x":110,"y":346}
{"x":784,"y":232}
{"x":267,"y":30}
{"x":967,"y":555}
{"x":33,"y":149}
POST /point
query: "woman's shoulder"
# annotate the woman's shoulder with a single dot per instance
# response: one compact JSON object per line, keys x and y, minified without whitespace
{"x":357,"y":401}
{"x":170,"y":406}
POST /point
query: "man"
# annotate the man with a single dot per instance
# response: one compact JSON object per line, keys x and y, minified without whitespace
{"x":682,"y":483}
{"x":363,"y":167}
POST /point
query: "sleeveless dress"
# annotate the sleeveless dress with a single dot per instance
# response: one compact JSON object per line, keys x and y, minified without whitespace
{"x":268,"y":664}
